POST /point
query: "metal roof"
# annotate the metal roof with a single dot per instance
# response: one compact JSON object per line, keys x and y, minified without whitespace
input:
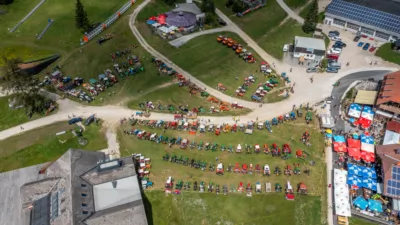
{"x":366,"y":97}
{"x":40,"y":214}
{"x":383,"y":14}
{"x":306,"y":42}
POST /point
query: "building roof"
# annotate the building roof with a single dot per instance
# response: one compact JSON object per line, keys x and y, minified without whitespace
{"x":306,"y":42}
{"x":389,"y":157}
{"x":393,"y":126}
{"x":390,"y":89}
{"x":383,"y":14}
{"x":66,"y":190}
{"x":366,"y":97}
{"x":391,"y":138}
{"x":187,"y":7}
{"x":181,"y":19}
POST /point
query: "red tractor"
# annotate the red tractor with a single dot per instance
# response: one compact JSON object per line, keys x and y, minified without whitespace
{"x":286,"y":149}
{"x":244,"y":168}
{"x":237,"y":168}
{"x":169,"y":185}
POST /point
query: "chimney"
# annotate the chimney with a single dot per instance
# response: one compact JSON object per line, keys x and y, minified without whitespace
{"x":114,"y":184}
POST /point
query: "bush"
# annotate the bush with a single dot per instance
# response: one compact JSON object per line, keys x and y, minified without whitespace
{"x":229,"y":3}
{"x":6,"y":2}
{"x":237,"y":7}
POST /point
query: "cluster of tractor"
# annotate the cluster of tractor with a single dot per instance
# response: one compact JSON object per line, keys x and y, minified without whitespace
{"x":130,"y":66}
{"x":143,"y":166}
{"x":163,"y":68}
{"x":237,"y":48}
{"x":175,"y":187}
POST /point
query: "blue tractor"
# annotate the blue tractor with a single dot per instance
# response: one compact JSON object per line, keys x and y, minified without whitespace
{"x":274,"y":121}
{"x":268,"y":126}
{"x":256,"y":98}
{"x":292,"y":115}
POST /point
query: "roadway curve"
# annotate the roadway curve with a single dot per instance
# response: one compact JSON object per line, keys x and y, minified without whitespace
{"x":185,"y":38}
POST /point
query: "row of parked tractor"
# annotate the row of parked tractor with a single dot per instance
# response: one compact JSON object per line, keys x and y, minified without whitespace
{"x":211,"y":187}
{"x":238,"y":48}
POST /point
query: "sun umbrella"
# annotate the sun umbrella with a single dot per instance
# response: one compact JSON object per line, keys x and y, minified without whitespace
{"x":328,"y":131}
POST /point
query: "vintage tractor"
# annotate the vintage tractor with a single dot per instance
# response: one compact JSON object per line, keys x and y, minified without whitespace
{"x":267,"y":172}
{"x":278,"y":187}
{"x":302,"y":188}
{"x":220,"y":169}
{"x":277,"y":171}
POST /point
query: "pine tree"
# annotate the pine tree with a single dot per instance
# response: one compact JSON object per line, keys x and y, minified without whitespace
{"x":6,"y":2}
{"x":82,"y":21}
{"x":311,"y":21}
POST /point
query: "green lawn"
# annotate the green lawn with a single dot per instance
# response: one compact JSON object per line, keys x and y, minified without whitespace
{"x":259,"y":23}
{"x":23,"y":52}
{"x":63,"y":34}
{"x":274,"y":41}
{"x":12,"y":117}
{"x":180,"y":96}
{"x":191,"y":208}
{"x":386,"y":53}
{"x":295,"y":4}
{"x":42,"y":145}
{"x":219,"y":64}
{"x":160,"y":169}
{"x":358,"y":221}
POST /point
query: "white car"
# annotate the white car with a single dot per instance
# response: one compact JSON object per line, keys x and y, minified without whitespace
{"x":285,"y":48}
{"x":334,"y":51}
{"x":335,"y":38}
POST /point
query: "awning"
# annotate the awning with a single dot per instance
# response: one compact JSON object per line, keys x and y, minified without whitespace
{"x":341,"y":193}
{"x":368,"y":156}
{"x":360,"y":202}
{"x":354,"y":143}
{"x":382,"y":113}
{"x":354,"y":152}
{"x":366,"y":97}
{"x":339,"y":147}
{"x":355,"y":110}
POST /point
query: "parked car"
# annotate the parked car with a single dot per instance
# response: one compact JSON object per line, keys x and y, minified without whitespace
{"x":332,"y":60}
{"x":331,"y":70}
{"x":340,"y":43}
{"x":333,"y":56}
{"x":285,"y":48}
{"x":356,"y":38}
{"x":336,"y":65}
{"x":312,"y":70}
{"x":335,"y":38}
{"x":74,"y":120}
{"x":221,"y":22}
{"x":372,"y":49}
{"x":366,"y":46}
{"x":333,"y":33}
{"x":337,"y":46}
{"x":360,"y":44}
{"x":336,"y":50}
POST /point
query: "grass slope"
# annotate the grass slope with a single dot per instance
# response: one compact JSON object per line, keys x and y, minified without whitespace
{"x":190,"y":208}
{"x":25,"y":53}
{"x":180,"y":96}
{"x":386,"y":53}
{"x":42,"y":145}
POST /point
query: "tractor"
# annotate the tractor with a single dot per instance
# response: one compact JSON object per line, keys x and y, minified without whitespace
{"x":185,"y":161}
{"x":200,"y":146}
{"x":169,"y":185}
{"x":278,"y":187}
{"x":302,"y":188}
{"x":297,"y":170}
{"x":220,"y":169}
{"x":179,"y":185}
{"x":225,"y":189}
{"x":217,"y":190}
{"x":166,"y":157}
{"x":210,"y":187}
{"x":186,"y":187}
{"x":286,"y":149}
{"x":267,"y":172}
{"x":195,"y":186}
{"x":277,"y":171}
{"x":257,"y":148}
{"x":201,"y":189}
{"x":192,"y":145}
{"x":288,"y":170}
{"x":309,"y":117}
{"x":258,"y":168}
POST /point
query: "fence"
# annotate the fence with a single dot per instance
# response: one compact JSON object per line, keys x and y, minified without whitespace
{"x":45,"y":29}
{"x":107,"y":23}
{"x":27,"y":16}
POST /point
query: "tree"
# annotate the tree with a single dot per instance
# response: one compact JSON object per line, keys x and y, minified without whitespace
{"x":82,"y":21}
{"x":229,"y":3}
{"x":25,"y":87}
{"x":237,"y":6}
{"x":208,"y":6}
{"x":169,"y":2}
{"x":311,"y":21}
{"x":6,"y":2}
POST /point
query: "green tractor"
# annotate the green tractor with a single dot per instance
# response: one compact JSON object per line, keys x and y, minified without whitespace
{"x":309,"y":116}
{"x":207,"y":146}
{"x":165,"y":140}
{"x":211,"y":167}
{"x":278,"y":187}
{"x":210,"y":187}
{"x":200,"y":145}
{"x":214,"y":147}
{"x":185,"y":161}
{"x":203,"y":165}
{"x":186,"y":187}
{"x":223,"y":148}
{"x":204,"y":94}
{"x":166,"y":157}
{"x":173,"y":158}
{"x":179,"y":160}
{"x":179,"y":185}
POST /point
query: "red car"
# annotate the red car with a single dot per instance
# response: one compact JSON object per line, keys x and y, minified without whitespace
{"x":372,"y":49}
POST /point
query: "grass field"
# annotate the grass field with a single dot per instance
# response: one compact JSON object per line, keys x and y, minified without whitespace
{"x":13,"y":117}
{"x":295,"y":4}
{"x":202,"y":208}
{"x":25,"y":53}
{"x":160,"y":170}
{"x":274,"y":41}
{"x":180,"y":96}
{"x":386,"y":53}
{"x":63,"y":35}
{"x":259,"y":23}
{"x":358,"y":221}
{"x":219,"y":64}
{"x":42,"y":145}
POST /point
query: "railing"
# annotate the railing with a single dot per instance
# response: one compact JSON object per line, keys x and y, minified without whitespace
{"x":108,"y":22}
{"x":27,"y":16}
{"x":45,"y":29}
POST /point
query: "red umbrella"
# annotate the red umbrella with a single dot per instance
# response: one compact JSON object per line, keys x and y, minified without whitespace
{"x":339,"y":147}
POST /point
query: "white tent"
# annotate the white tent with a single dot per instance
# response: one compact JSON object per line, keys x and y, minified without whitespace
{"x":327,"y":121}
{"x":391,"y":138}
{"x":341,"y":193}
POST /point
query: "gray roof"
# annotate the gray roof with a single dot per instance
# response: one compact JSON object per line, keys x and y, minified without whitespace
{"x":187,"y":7}
{"x":306,"y":42}
{"x":62,"y":185}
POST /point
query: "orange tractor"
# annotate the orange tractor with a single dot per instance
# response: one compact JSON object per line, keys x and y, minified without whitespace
{"x":212,"y":99}
{"x":220,"y":38}
{"x":302,"y":188}
{"x":226,"y":41}
{"x":231,"y":43}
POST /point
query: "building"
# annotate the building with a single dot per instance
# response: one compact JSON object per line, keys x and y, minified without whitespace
{"x":79,"y":188}
{"x":379,"y":19}
{"x":364,"y":97}
{"x":396,"y":45}
{"x":309,"y":48}
{"x":388,"y":100}
{"x":390,"y":158}
{"x":189,"y":7}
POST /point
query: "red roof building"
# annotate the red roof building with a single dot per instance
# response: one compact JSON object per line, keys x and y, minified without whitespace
{"x":389,"y":94}
{"x":393,"y":126}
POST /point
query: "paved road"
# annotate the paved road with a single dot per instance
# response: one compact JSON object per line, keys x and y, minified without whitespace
{"x":290,"y":12}
{"x":185,"y":38}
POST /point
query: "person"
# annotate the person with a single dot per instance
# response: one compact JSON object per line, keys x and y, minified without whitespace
{"x":22,"y":128}
{"x":290,"y":69}
{"x":347,"y":64}
{"x":237,"y":78}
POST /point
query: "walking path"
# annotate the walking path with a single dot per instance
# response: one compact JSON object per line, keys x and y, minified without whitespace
{"x":290,"y":12}
{"x":185,"y":38}
{"x":113,"y":146}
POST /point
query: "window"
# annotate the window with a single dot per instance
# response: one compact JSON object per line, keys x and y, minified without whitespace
{"x":85,"y":212}
{"x":83,"y":185}
{"x":83,"y":194}
{"x":84,"y":204}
